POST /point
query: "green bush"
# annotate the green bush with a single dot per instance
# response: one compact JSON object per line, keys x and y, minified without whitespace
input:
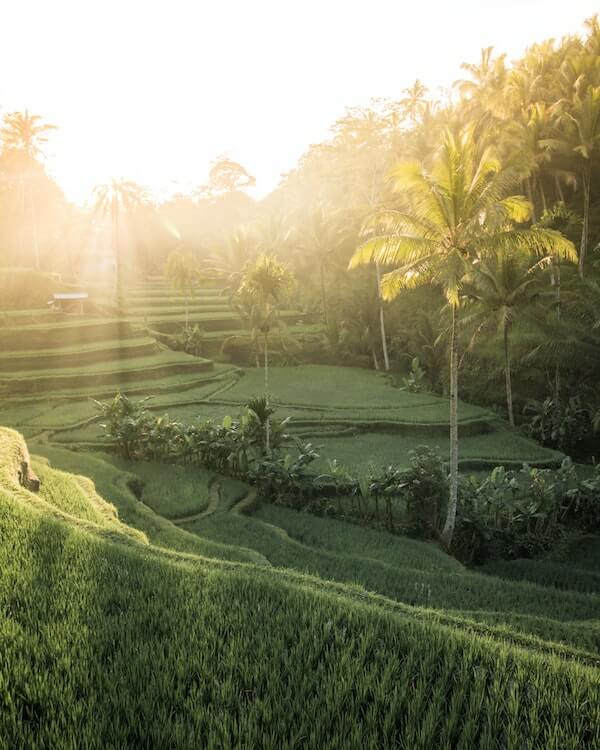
{"x":190,"y":340}
{"x":566,"y":426}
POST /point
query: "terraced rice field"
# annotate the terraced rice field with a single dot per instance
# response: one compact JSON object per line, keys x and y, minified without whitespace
{"x":162,"y":309}
{"x":51,"y":366}
{"x":248,"y":612}
{"x":556,"y":612}
{"x":287,"y":629}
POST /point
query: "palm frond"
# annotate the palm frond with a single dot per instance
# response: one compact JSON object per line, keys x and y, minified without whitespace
{"x":390,"y":250}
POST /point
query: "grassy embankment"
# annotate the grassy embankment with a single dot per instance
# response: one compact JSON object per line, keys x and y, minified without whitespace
{"x":177,"y":650}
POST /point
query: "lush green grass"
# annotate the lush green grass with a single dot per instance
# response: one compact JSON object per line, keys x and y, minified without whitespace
{"x":75,"y":356}
{"x":63,"y":408}
{"x":115,"y":486}
{"x":410,"y":572}
{"x":171,"y":491}
{"x":274,"y":630}
{"x":484,"y":442}
{"x":236,"y":657}
{"x":350,"y":389}
{"x":155,"y":309}
{"x":564,"y":576}
{"x":160,"y":359}
{"x":113,"y":372}
{"x":223,"y":321}
{"x":75,"y":332}
{"x":492,"y":448}
{"x":72,"y":494}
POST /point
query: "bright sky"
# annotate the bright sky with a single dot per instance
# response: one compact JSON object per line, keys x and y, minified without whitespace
{"x":153,"y":90}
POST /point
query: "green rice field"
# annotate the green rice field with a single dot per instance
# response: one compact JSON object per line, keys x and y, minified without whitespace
{"x":191,"y":615}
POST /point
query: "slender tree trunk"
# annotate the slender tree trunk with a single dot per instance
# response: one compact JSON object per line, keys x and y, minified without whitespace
{"x":22,"y":242}
{"x":558,"y":315}
{"x":530,"y":198}
{"x":542,"y":195}
{"x":559,"y":191}
{"x":386,"y":359}
{"x":448,"y":530}
{"x":268,"y":423}
{"x":324,"y":296}
{"x":507,"y":374}
{"x":375,"y":362}
{"x":118,"y":288}
{"x":586,"y":217}
{"x":36,"y":250}
{"x":187,"y":317}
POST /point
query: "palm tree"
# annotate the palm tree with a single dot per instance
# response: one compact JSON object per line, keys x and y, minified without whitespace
{"x":414,"y":101}
{"x":264,"y":283}
{"x":456,"y":211}
{"x":526,"y":137}
{"x":113,"y":200}
{"x":320,"y":241}
{"x":24,"y":135}
{"x":502,"y":286}
{"x":230,"y":256}
{"x":183,"y":273}
{"x":578,"y":136}
{"x":481,"y":92}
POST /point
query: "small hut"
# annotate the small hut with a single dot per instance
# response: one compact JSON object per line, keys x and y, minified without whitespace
{"x":69,"y":302}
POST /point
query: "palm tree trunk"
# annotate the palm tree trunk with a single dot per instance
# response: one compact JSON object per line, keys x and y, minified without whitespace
{"x":558,"y":314}
{"x":448,"y":530}
{"x":115,"y":212}
{"x":507,"y":374}
{"x":586,"y":217}
{"x":559,"y":191}
{"x":36,"y":250}
{"x":542,"y":194}
{"x":324,"y":296}
{"x":268,"y":422}
{"x":22,"y":240}
{"x":375,"y":362}
{"x":530,"y":198}
{"x":386,"y":359}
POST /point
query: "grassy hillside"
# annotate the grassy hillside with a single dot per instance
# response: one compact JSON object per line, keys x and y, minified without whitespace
{"x":405,"y":571}
{"x":175,"y":650}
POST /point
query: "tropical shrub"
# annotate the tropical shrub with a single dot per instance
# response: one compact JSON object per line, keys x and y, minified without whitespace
{"x":565,"y":426}
{"x":509,"y":514}
{"x":124,"y":422}
{"x":425,"y":491}
{"x":286,"y":477}
{"x":414,"y":382}
{"x":584,"y":509}
{"x":242,"y":350}
{"x":513,"y":514}
{"x":190,"y":340}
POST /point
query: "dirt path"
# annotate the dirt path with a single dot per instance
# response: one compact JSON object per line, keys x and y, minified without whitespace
{"x":246,"y":504}
{"x":213,"y":504}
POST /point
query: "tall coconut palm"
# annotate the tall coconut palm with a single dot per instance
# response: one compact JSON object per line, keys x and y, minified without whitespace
{"x":320,"y":240}
{"x":414,"y":101}
{"x":578,"y":137}
{"x":264,"y":283}
{"x":24,"y":135}
{"x":230,"y":256}
{"x":183,"y":273}
{"x":525,"y":136}
{"x":501,"y":287}
{"x":114,"y":201}
{"x":455,"y":211}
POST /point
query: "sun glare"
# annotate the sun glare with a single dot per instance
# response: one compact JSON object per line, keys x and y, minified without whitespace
{"x":159,"y":95}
